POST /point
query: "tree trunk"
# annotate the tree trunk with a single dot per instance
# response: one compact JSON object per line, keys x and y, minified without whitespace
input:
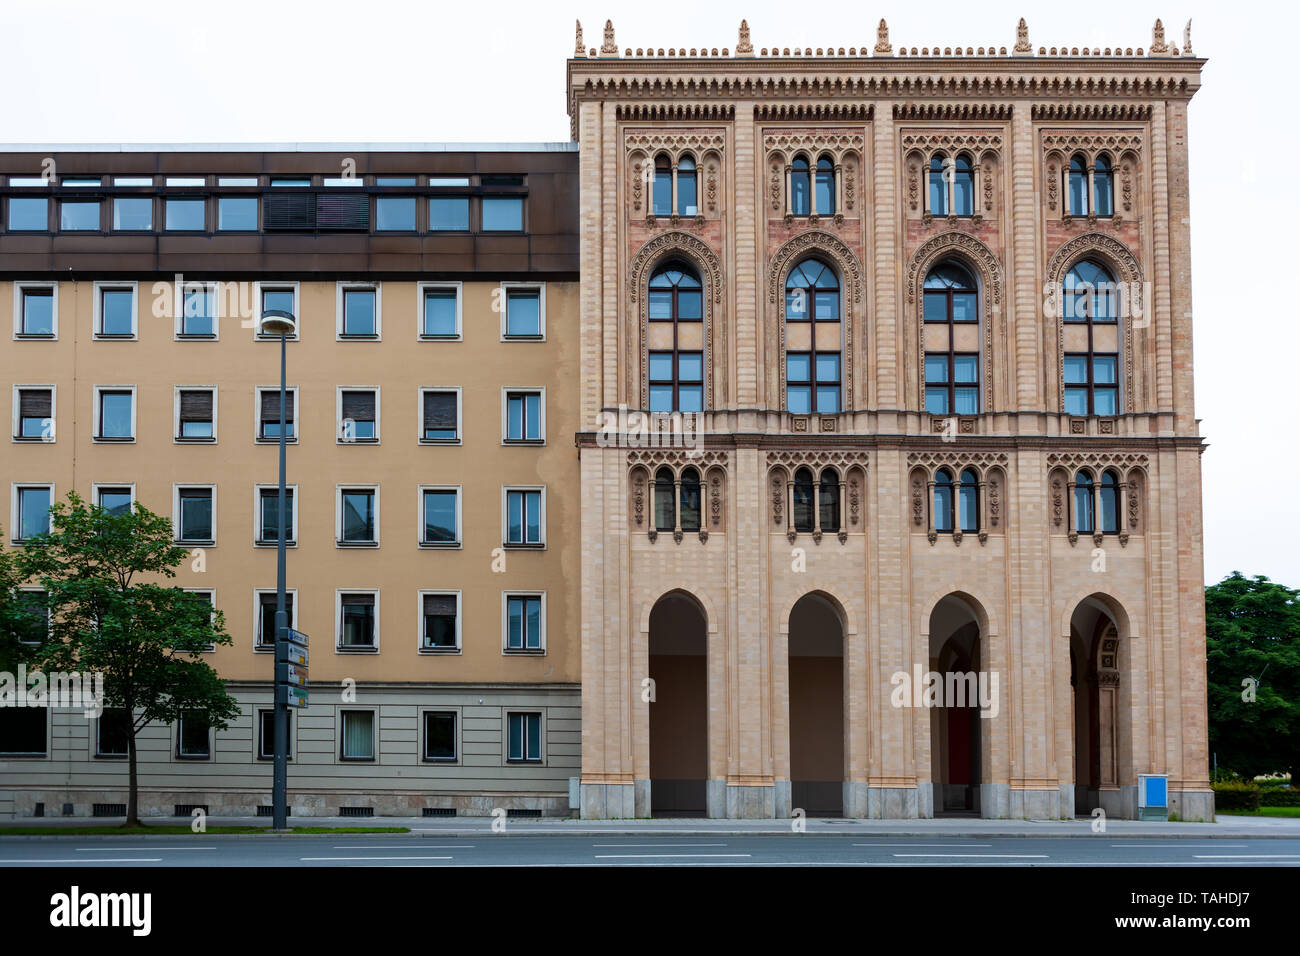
{"x":132,"y":798}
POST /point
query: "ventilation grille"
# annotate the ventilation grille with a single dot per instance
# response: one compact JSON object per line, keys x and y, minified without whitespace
{"x":523,"y":813}
{"x":356,"y":811}
{"x":108,"y":810}
{"x":439,"y":812}
{"x":266,"y":811}
{"x":187,"y":809}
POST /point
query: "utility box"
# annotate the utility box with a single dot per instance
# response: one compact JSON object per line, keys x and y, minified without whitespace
{"x":1153,"y":796}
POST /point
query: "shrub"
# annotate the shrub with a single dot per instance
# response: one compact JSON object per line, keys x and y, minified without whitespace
{"x":1234,"y":795}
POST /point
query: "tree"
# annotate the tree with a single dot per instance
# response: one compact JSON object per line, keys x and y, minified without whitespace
{"x":22,"y":617}
{"x":1252,"y":633}
{"x":110,"y":615}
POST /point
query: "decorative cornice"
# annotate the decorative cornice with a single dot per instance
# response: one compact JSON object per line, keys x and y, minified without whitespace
{"x":978,"y":141}
{"x":698,"y":141}
{"x":952,"y":111}
{"x":1091,"y":141}
{"x":791,"y":458}
{"x":955,"y":458}
{"x":825,"y":112}
{"x":678,"y":112}
{"x":833,"y":139}
{"x":1108,"y":112}
{"x":1097,"y":459}
{"x":677,"y":457}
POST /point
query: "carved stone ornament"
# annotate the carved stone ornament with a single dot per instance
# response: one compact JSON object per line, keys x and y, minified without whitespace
{"x":609,"y":47}
{"x":995,"y":501}
{"x":988,"y":187}
{"x":1158,"y":45}
{"x":774,"y":187}
{"x":855,"y":499}
{"x":913,"y":185}
{"x":1058,"y":501}
{"x":778,"y":501}
{"x":883,"y":47}
{"x":1022,"y":47}
{"x":743,"y":46}
{"x":918,"y":502}
{"x":952,"y":141}
{"x":578,"y":49}
{"x":837,"y":142}
{"x":816,"y":459}
{"x":1053,"y":181}
{"x":638,"y":498}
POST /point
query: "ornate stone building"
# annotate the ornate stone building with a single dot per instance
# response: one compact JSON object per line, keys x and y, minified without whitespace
{"x":932,"y":311}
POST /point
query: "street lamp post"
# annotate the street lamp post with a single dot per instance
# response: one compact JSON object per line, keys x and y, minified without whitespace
{"x":283,"y":324}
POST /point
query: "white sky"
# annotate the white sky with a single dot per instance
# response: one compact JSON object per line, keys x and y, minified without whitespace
{"x":388,"y":71}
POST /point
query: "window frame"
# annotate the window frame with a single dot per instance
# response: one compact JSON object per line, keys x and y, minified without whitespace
{"x":525,"y":651}
{"x":419,"y":621}
{"x":257,"y":415}
{"x":419,"y":418}
{"x":455,"y":714}
{"x":259,"y":737}
{"x":422,"y":289}
{"x":200,"y":200}
{"x":17,"y":415}
{"x":97,"y":415}
{"x":950,"y":354}
{"x":540,"y":759}
{"x":338,"y":414}
{"x":96,"y":743}
{"x":177,"y":437}
{"x":49,"y":612}
{"x":178,"y":308}
{"x":212,"y":599}
{"x":1091,"y":355}
{"x":99,"y":486}
{"x":223,"y":197}
{"x":339,"y":646}
{"x":179,"y":752}
{"x":44,"y":754}
{"x":177,"y":488}
{"x":524,"y":545}
{"x":260,"y":288}
{"x":419,"y":520}
{"x":342,"y":288}
{"x":291,"y":598}
{"x":16,"y":489}
{"x":339,"y":490}
{"x":291,"y":492}
{"x":97,"y":312}
{"x":21,"y":286}
{"x":506,"y":289}
{"x":343,"y":713}
{"x":506,"y":392}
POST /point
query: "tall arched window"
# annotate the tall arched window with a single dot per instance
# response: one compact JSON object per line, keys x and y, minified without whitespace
{"x":963,"y":187}
{"x":829,"y":503}
{"x":662,"y":196}
{"x":1083,"y":503}
{"x":1103,"y":188}
{"x":690,"y":503}
{"x":943,"y":501}
{"x":951,"y":341}
{"x":665,"y":504}
{"x":1090,"y":304}
{"x":1109,"y":502}
{"x":825,"y":186}
{"x":687,"y":187}
{"x":675,"y":301}
{"x":800,"y":187}
{"x":1078,"y":191}
{"x":803,"y":500}
{"x":970,"y":501}
{"x":812,"y":339}
{"x":938,"y":186}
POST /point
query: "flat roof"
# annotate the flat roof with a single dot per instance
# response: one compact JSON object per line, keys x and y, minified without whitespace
{"x":288,"y":147}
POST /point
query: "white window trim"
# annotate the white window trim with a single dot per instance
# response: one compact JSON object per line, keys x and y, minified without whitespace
{"x":341,"y":736}
{"x":212,"y":595}
{"x":15,"y":525}
{"x":98,"y":486}
{"x":291,"y":595}
{"x":338,"y":514}
{"x":506,"y":287}
{"x":258,"y":710}
{"x":338,"y":414}
{"x":506,"y":650}
{"x":505,"y":518}
{"x":419,"y":418}
{"x":257,"y":514}
{"x":457,"y":711}
{"x":135,"y":410}
{"x":338,"y":621}
{"x":99,"y":287}
{"x":176,"y":414}
{"x":254,"y":321}
{"x":257,"y":415}
{"x":506,"y":390}
{"x":49,"y":614}
{"x":419,"y":622}
{"x":19,"y":287}
{"x":421,"y":289}
{"x":376,"y":287}
{"x":505,"y":736}
{"x":178,"y":309}
{"x":176,"y":513}
{"x":419,"y":522}
{"x":176,"y":744}
{"x":17,"y":419}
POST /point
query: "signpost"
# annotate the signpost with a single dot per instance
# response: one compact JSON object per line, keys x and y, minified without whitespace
{"x":291,"y":668}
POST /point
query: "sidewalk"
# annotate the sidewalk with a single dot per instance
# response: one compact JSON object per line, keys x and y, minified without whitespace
{"x":1225,"y":827}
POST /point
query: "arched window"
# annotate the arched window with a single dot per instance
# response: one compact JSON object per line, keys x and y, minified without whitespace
{"x":687,"y":187}
{"x":812,"y":311}
{"x":970,"y":501}
{"x":951,"y":341}
{"x":963,"y":187}
{"x":800,"y":187}
{"x":1083,"y":503}
{"x":1103,"y":188}
{"x":1090,"y":305}
{"x":803,"y":500}
{"x":1078,"y":191}
{"x":675,"y":301}
{"x":825,"y":186}
{"x":662,"y":199}
{"x":829,"y":494}
{"x":938,"y":186}
{"x":1109,"y":502}
{"x":690,"y":500}
{"x":943,"y":501}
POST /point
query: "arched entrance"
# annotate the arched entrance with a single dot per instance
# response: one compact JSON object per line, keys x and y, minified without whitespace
{"x":679,"y":743}
{"x":1099,"y":736}
{"x":816,"y":721}
{"x":956,"y":732}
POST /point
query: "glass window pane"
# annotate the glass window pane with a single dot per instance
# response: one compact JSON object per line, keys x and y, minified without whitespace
{"x":1076,"y":401}
{"x":395,"y":213}
{"x":828,"y":399}
{"x":358,"y":516}
{"x":440,"y":312}
{"x":1083,"y":510}
{"x":964,"y":307}
{"x":661,"y":398}
{"x":938,"y":194}
{"x":38,"y":311}
{"x":34,"y":505}
{"x":800,"y":199}
{"x":686,"y":190}
{"x":661,"y":304}
{"x":449,"y":214}
{"x":1105,"y":401}
{"x":798,"y":367}
{"x":279,"y":299}
{"x":534,"y":737}
{"x":690,"y":304}
{"x":967,"y":401}
{"x":359,"y":312}
{"x":1076,"y":369}
{"x":358,"y":734}
{"x":963,"y":192}
{"x":690,"y":366}
{"x":828,"y":367}
{"x":197,"y":312}
{"x":1103,"y":369}
{"x":690,"y":398}
{"x":503,"y":214}
{"x":196,"y":518}
{"x":532,"y":416}
{"x":115,"y":415}
{"x":29,"y":213}
{"x":439,"y":516}
{"x":798,"y":399}
{"x":523,"y":313}
{"x":533,"y":516}
{"x":133,"y":212}
{"x":185,"y":215}
{"x":237,"y":213}
{"x":661,"y":366}
{"x":116,"y":316}
{"x":78,"y":216}
{"x":965,"y":368}
{"x":936,"y":368}
{"x":826,"y":305}
{"x":936,"y":401}
{"x":936,"y":306}
{"x":943,"y":507}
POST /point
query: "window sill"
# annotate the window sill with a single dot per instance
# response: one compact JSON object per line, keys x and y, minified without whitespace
{"x":525,"y":760}
{"x":356,"y":441}
{"x":524,"y":651}
{"x":196,"y":337}
{"x":440,"y":545}
{"x":523,"y":338}
{"x":356,"y":544}
{"x":274,"y":338}
{"x":523,"y":546}
{"x":273,"y":544}
{"x":289,"y":758}
{"x":354,"y":649}
{"x":439,"y":651}
{"x":196,"y":542}
{"x":445,"y":761}
{"x":114,"y":336}
{"x":358,"y":337}
{"x":527,"y":442}
{"x":103,"y":440}
{"x":275,"y":441}
{"x":37,"y":336}
{"x":194,"y":756}
{"x":440,"y":441}
{"x":357,"y":759}
{"x":12,"y":756}
{"x":110,"y":756}
{"x":33,"y":440}
{"x":427,"y":337}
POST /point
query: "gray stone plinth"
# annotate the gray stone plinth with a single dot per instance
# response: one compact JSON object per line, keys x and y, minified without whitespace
{"x":751,"y":803}
{"x":608,"y":801}
{"x":892,"y":803}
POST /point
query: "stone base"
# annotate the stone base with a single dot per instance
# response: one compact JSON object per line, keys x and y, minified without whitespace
{"x":715,"y":799}
{"x":1193,"y":806}
{"x":608,"y":801}
{"x":1067,"y":801}
{"x":642,"y":797}
{"x":783,"y":799}
{"x":749,"y":803}
{"x":1034,"y":804}
{"x":1119,"y":804}
{"x":892,"y":803}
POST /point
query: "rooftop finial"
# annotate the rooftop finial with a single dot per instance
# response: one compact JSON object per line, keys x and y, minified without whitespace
{"x":882,"y":39}
{"x":1022,"y":39}
{"x":1158,"y":45}
{"x":1187,"y":39}
{"x":743,"y":46}
{"x":609,"y":47}
{"x":578,"y":48}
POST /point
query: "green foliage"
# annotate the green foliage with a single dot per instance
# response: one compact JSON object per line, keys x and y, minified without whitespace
{"x":1252,"y":630}
{"x":1233,"y":795}
{"x":1275,"y":797}
{"x":22,"y":622}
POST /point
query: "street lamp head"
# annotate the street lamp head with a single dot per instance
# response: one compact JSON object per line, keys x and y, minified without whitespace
{"x":278,"y":322}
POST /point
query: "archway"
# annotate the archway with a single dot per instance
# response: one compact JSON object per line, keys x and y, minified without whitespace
{"x":816,"y":719}
{"x":956,"y":732}
{"x":1095,"y":684}
{"x":679,"y":751}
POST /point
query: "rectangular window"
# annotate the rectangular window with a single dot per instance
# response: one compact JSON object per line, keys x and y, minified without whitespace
{"x":193,"y":736}
{"x":358,"y":516}
{"x":237,"y":213}
{"x":360,"y":316}
{"x":441,"y":314}
{"x":29,"y":214}
{"x":266,"y":616}
{"x":1105,"y":385}
{"x":523,"y":622}
{"x":524,"y":417}
{"x":185,"y":215}
{"x":116,"y":501}
{"x":194,"y":513}
{"x":266,"y":735}
{"x":116,"y":414}
{"x":198,"y":318}
{"x":395,"y":214}
{"x":116,"y":312}
{"x":438,"y":616}
{"x":22,"y":731}
{"x":936,"y":383}
{"x":269,"y":415}
{"x":236,"y":180}
{"x":358,"y":734}
{"x":503,"y":214}
{"x":35,"y":418}
{"x":440,"y":513}
{"x":358,"y":628}
{"x":79,"y":216}
{"x":132,"y":213}
{"x":523,"y":313}
{"x":33,"y":510}
{"x":394,"y":180}
{"x":268,"y":531}
{"x":439,"y":736}
{"x":196,"y":414}
{"x":357,"y":415}
{"x":294,"y":181}
{"x":112,"y":732}
{"x":32,"y":618}
{"x":208,"y":598}
{"x":449,"y":214}
{"x":279,"y":299}
{"x":36,"y":316}
{"x":448,"y":180}
{"x":440,"y":416}
{"x":524,"y":517}
{"x":525,"y":738}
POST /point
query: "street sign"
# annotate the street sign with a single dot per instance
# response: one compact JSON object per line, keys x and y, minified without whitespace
{"x":295,"y":696}
{"x":294,"y":654}
{"x":295,"y":637}
{"x":297,"y":676}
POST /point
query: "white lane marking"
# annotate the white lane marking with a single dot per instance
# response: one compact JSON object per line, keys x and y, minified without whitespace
{"x":142,"y":849}
{"x":668,"y":856}
{"x":102,"y":859}
{"x":421,"y":846}
{"x":305,"y":859}
{"x":1248,"y":856}
{"x":1185,"y":846}
{"x":652,"y":845}
{"x":966,"y":845}
{"x":981,"y":856}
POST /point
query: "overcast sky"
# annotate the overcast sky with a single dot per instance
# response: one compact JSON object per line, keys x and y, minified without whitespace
{"x":386,"y":71}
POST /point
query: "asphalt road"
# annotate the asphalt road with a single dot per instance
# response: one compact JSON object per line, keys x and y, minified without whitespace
{"x":493,"y":849}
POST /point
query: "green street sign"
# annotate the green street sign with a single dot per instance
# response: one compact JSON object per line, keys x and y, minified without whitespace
{"x":297,"y":696}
